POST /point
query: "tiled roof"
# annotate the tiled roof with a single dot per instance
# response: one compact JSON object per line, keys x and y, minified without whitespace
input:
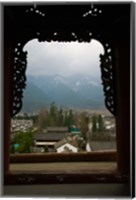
{"x":60,"y":143}
{"x":64,"y":141}
{"x":56,"y":129}
{"x":100,"y":145}
{"x":49,"y":136}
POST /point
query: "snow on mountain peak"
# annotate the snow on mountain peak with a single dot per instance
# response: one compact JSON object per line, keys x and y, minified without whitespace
{"x":85,"y":80}
{"x":59,"y":79}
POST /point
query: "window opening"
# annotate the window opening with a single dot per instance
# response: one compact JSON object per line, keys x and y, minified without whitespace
{"x":24,"y":26}
{"x":58,"y":124}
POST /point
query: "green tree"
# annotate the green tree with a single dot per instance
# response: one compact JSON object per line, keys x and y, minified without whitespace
{"x":69,"y":118}
{"x":60,"y":118}
{"x":101,"y":126}
{"x":53,"y":115}
{"x":65,"y":118}
{"x":94,"y":123}
{"x":24,"y":141}
{"x":84,"y":121}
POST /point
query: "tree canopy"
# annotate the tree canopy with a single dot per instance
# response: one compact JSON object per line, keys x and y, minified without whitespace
{"x":22,"y":142}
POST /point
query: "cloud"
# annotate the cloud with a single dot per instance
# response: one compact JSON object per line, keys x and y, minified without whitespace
{"x":63,"y":58}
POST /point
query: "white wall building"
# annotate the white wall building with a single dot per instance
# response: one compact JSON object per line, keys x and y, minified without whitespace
{"x":67,"y":147}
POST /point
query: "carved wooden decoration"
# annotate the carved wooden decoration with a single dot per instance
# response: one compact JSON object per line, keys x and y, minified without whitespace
{"x":19,"y":78}
{"x":107,"y":76}
{"x":93,"y":12}
{"x":62,"y":35}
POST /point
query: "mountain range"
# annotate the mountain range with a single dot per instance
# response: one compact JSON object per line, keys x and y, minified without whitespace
{"x":76,"y":91}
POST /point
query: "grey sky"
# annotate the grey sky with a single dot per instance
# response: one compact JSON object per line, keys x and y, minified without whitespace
{"x":63,"y":58}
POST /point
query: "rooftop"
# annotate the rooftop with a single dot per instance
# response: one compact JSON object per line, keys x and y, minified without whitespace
{"x":102,"y":145}
{"x":56,"y":129}
{"x":64,"y":141}
{"x":49,"y":136}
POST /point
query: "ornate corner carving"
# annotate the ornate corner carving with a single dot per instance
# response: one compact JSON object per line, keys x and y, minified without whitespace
{"x":19,"y":78}
{"x":64,"y":36}
{"x":107,"y":76}
{"x":35,"y":11}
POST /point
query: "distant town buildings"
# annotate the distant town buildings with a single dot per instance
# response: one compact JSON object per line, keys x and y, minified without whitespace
{"x":63,"y":139}
{"x":21,"y":125}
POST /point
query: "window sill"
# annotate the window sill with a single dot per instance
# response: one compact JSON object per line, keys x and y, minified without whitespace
{"x":86,"y":168}
{"x":64,"y":167}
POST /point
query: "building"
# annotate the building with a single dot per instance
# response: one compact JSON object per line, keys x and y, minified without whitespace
{"x":101,"y":146}
{"x":48,"y":140}
{"x":21,"y":125}
{"x":65,"y":145}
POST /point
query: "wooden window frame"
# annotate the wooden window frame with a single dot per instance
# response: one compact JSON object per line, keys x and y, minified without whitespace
{"x":122,"y":85}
